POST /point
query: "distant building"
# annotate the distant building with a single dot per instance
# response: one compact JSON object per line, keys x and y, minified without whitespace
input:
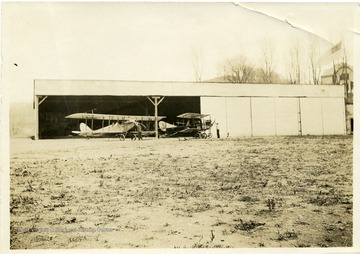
{"x":339,"y":72}
{"x":342,"y":74}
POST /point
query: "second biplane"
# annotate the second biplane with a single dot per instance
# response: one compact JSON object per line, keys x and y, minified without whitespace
{"x":188,"y":125}
{"x":117,"y":125}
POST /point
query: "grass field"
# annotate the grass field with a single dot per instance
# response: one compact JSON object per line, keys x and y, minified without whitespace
{"x":247,"y":192}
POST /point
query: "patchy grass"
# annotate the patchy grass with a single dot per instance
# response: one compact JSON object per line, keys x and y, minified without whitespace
{"x":248,"y":192}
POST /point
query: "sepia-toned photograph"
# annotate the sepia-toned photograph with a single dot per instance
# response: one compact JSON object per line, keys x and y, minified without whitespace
{"x":180,"y":125}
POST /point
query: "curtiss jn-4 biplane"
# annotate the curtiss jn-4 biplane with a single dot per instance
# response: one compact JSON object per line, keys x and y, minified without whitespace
{"x":188,"y":125}
{"x":117,"y":125}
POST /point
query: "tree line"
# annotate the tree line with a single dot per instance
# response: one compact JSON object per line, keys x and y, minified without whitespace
{"x":300,"y":66}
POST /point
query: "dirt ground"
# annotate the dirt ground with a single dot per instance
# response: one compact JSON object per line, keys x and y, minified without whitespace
{"x":247,"y":192}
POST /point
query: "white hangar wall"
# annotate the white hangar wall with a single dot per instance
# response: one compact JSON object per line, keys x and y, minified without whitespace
{"x":274,"y":116}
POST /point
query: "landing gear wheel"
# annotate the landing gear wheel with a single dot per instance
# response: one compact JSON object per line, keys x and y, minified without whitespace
{"x":121,"y":137}
{"x":209,"y":135}
{"x":133,"y":137}
{"x":203,"y":135}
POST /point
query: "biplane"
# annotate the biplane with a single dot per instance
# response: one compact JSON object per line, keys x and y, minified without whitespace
{"x":188,"y":125}
{"x":117,"y":125}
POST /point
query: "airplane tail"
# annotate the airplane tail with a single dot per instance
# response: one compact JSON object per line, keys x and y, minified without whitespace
{"x":85,"y":128}
{"x":164,"y":125}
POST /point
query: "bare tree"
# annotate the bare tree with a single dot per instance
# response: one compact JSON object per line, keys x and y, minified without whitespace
{"x":197,"y":64}
{"x":314,"y":55}
{"x":294,"y":65}
{"x":267,"y":68}
{"x":239,"y":70}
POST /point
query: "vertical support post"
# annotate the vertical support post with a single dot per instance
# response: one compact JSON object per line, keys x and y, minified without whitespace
{"x":156,"y":117}
{"x":92,"y":119}
{"x":36,"y":126}
{"x":156,"y":103}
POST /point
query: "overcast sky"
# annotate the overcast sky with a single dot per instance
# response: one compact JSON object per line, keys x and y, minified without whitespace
{"x":154,"y":41}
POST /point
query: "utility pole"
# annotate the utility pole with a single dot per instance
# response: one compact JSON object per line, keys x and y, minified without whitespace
{"x":156,"y":103}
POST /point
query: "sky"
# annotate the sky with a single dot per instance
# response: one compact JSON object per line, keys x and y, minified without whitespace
{"x":327,"y":20}
{"x":154,"y":41}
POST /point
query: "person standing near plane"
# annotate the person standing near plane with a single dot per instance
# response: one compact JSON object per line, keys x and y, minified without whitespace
{"x":217,"y":130}
{"x":139,"y":131}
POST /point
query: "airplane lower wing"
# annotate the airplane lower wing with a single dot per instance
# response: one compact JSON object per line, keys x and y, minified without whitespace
{"x":143,"y":133}
{"x":189,"y":130}
{"x":116,"y":128}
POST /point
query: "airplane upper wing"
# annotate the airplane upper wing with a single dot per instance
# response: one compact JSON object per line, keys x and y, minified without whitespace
{"x":112,"y":117}
{"x":192,"y":115}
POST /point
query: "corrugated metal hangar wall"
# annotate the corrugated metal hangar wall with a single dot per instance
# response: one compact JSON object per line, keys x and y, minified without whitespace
{"x":255,"y":116}
{"x":240,"y":109}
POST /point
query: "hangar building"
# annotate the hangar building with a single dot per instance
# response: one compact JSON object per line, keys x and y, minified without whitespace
{"x":240,"y":109}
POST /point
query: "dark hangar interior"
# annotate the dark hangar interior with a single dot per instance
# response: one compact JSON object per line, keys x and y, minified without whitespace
{"x":52,"y":111}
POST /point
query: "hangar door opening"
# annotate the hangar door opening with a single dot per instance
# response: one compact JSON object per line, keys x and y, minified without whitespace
{"x":52,"y":111}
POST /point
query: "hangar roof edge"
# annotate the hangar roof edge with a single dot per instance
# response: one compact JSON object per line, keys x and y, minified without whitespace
{"x":56,"y":87}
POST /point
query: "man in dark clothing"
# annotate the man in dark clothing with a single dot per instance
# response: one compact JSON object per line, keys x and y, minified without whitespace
{"x":139,"y":131}
{"x":217,"y":130}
